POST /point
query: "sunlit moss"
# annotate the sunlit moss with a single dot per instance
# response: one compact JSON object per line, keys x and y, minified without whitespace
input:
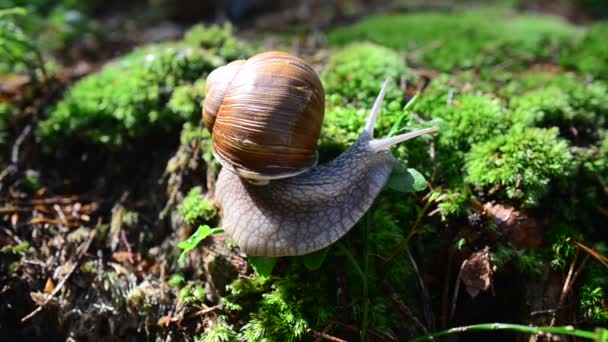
{"x":462,"y":39}
{"x":126,"y":99}
{"x":590,"y":55}
{"x":522,"y":163}
{"x":355,"y":74}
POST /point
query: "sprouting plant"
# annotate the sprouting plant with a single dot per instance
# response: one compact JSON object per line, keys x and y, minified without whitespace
{"x":201,"y":234}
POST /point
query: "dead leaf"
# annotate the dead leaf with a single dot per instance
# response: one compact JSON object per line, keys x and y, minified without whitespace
{"x":40,"y":298}
{"x":504,"y":214}
{"x":476,"y":273}
{"x":50,"y":286}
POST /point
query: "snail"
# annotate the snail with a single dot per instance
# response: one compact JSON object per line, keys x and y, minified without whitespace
{"x":265,"y":115}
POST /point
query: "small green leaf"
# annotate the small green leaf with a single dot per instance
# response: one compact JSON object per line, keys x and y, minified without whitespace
{"x":313,"y":261}
{"x":201,"y":234}
{"x":408,"y":180}
{"x":262,"y":265}
{"x":176,"y":280}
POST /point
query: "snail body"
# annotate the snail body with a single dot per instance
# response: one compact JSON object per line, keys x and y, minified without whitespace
{"x":279,"y":211}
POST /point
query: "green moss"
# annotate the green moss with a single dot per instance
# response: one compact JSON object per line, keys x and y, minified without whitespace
{"x":195,"y":209}
{"x":343,"y":125}
{"x":186,"y":100}
{"x":218,"y":40}
{"x":562,"y":101}
{"x":191,"y":293}
{"x":220,"y":331}
{"x":127,"y":99}
{"x":19,"y":52}
{"x":355,"y":75}
{"x":468,"y":119}
{"x":590,"y":55}
{"x":453,"y":202}
{"x":278,"y":315}
{"x":152,"y":89}
{"x":521,"y":163}
{"x":282,"y":307}
{"x":462,"y":39}
{"x":594,"y":289}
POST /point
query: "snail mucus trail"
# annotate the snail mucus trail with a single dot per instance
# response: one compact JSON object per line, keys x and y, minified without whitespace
{"x":272,"y":208}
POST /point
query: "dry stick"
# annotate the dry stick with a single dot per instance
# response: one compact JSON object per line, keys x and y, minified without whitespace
{"x":83,"y":249}
{"x":456,"y":289}
{"x":407,"y":239}
{"x":206,"y":311}
{"x":446,"y":293}
{"x":123,"y":238}
{"x":325,"y":331}
{"x":568,"y":285}
{"x":370,"y":333}
{"x":428,"y":311}
{"x":20,"y":139}
{"x":320,"y":336}
{"x":593,"y":253}
{"x":405,"y":311}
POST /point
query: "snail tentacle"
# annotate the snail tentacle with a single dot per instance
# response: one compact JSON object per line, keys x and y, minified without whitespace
{"x":384,"y":144}
{"x":375,"y":112}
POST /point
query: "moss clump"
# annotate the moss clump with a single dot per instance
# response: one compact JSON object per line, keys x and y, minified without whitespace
{"x":219,"y":332}
{"x":463,"y":39}
{"x":195,"y":209}
{"x":470,"y":118}
{"x":467,"y":119}
{"x":281,"y":308}
{"x":343,"y":125}
{"x":521,"y":162}
{"x":186,"y":100}
{"x":355,"y":75}
{"x":589,"y":55}
{"x":563,"y":101}
{"x":149,"y":90}
{"x":219,"y":40}
{"x":278,"y":315}
{"x":126,"y":99}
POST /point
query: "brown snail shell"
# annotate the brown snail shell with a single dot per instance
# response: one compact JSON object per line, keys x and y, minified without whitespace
{"x":265,"y":115}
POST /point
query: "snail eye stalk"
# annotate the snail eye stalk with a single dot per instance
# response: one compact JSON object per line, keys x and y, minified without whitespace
{"x":383,"y":144}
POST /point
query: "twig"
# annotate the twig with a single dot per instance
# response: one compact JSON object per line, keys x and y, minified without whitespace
{"x":405,"y":311}
{"x":325,"y":331}
{"x":543,"y":312}
{"x":17,"y":145}
{"x":206,"y":311}
{"x":428,"y":311}
{"x":123,"y":238}
{"x":593,"y":253}
{"x":364,"y":321}
{"x":570,"y":282}
{"x":405,"y":241}
{"x":566,"y":286}
{"x":356,"y":329}
{"x":323,"y":336}
{"x":456,"y":289}
{"x":540,"y":331}
{"x":61,"y":215}
{"x":83,"y":249}
{"x":446,"y":293}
